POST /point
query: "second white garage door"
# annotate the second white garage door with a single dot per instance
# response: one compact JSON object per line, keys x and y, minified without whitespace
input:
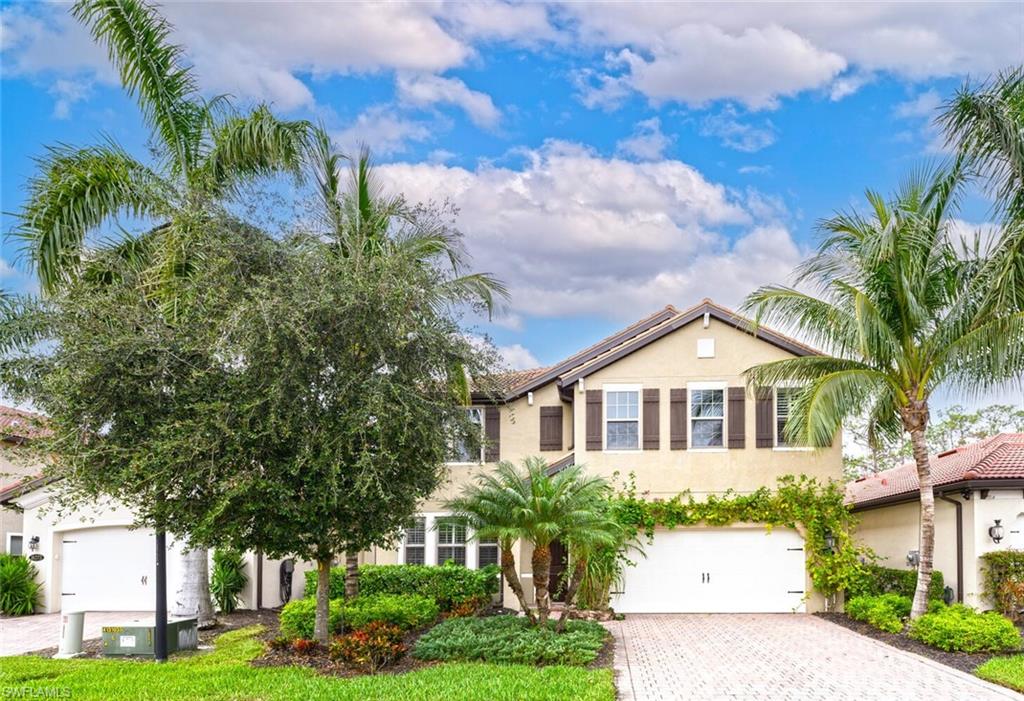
{"x":729,"y":570}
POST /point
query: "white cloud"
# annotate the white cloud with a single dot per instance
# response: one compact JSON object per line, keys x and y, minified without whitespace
{"x":571,"y":232}
{"x":647,"y":142}
{"x":67,"y":92}
{"x":525,"y":23}
{"x":738,"y":135}
{"x":754,"y":170}
{"x":383,"y":129}
{"x":925,"y":104}
{"x":427,"y":90}
{"x":518,"y":356}
{"x":965,"y":235}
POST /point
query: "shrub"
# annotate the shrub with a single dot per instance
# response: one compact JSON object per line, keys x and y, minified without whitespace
{"x":298,"y":618}
{"x":1003,"y":580}
{"x":19,"y":590}
{"x":449,"y":585}
{"x":303,"y":646}
{"x":469,"y":607}
{"x":279,"y":643}
{"x":511,"y":640}
{"x":371,"y":647}
{"x":885,"y":612}
{"x":402,"y":610}
{"x":228,"y":579}
{"x":959,"y":628}
{"x":878,"y":580}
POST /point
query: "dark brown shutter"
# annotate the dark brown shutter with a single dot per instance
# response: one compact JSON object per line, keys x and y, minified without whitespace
{"x":594,"y":419}
{"x":677,"y":419}
{"x":551,"y":428}
{"x":651,"y":427}
{"x":763,"y":415}
{"x":737,"y":417}
{"x":492,"y":433}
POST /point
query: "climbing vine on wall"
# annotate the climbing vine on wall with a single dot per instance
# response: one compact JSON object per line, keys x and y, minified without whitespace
{"x":796,"y":501}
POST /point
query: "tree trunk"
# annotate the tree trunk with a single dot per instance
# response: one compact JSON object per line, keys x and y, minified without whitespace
{"x":915,"y":419}
{"x":508,"y":569}
{"x":579,"y":570}
{"x":193,"y":597}
{"x":351,"y":575}
{"x":321,"y":628}
{"x":541,"y":577}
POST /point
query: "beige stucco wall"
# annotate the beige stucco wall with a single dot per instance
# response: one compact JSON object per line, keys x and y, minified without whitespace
{"x":1006,"y":505}
{"x":672,"y":362}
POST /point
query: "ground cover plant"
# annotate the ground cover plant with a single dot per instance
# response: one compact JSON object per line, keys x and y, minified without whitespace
{"x":225,"y":674}
{"x":511,"y":640}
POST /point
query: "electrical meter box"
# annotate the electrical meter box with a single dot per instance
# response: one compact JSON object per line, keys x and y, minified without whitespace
{"x":136,"y":638}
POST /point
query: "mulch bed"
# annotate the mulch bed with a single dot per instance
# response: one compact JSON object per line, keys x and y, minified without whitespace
{"x":963,"y":661}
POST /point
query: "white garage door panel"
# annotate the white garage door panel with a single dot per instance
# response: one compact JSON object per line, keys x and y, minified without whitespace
{"x":108,"y":569}
{"x":716,"y":571}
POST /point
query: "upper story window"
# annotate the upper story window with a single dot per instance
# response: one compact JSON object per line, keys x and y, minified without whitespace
{"x":707,"y":417}
{"x":622,"y":418}
{"x":783,"y":402}
{"x":470,"y":449}
{"x":487,"y":552}
{"x":451,"y":543}
{"x":416,"y":542}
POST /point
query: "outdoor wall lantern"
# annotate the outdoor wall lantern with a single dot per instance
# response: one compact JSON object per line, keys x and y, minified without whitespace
{"x":33,"y":543}
{"x":830,"y":541}
{"x":996,"y":532}
{"x":913,"y":558}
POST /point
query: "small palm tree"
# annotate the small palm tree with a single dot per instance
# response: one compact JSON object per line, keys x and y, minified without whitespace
{"x":204,"y":151}
{"x":535,"y":507}
{"x":902,"y":312}
{"x":588,"y":540}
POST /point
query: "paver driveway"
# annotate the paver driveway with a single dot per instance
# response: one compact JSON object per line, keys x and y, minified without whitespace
{"x":790,"y":657}
{"x":28,"y":633}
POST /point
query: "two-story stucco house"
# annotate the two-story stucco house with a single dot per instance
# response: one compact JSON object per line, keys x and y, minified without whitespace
{"x":663,"y":399}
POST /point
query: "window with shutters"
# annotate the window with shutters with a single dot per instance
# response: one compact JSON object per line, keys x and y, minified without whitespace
{"x":783,"y":404}
{"x":416,"y":542}
{"x":451,"y":543}
{"x":622,"y":417}
{"x":470,"y":448}
{"x":707,"y":416}
{"x":487,"y":552}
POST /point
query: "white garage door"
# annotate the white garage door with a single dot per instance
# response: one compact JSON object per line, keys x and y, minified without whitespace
{"x":108,"y":569}
{"x":730,"y":570}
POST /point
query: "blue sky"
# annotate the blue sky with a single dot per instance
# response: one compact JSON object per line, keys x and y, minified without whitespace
{"x":606,"y":159}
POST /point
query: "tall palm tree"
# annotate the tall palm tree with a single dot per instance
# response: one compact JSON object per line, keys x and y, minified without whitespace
{"x":538,"y":508}
{"x":204,"y":151}
{"x":902,"y":311}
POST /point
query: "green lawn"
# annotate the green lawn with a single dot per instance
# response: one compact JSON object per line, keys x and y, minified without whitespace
{"x":224,"y":674}
{"x":1008,"y":671}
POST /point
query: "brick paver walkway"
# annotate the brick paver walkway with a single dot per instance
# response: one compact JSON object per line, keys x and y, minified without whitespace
{"x":768,"y":657}
{"x":28,"y":633}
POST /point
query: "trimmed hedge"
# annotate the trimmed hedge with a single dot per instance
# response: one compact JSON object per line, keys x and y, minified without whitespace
{"x":1003,"y":573}
{"x":880,"y":580}
{"x":960,"y":628}
{"x":885,"y":612}
{"x":406,"y":611}
{"x":449,"y":585}
{"x":511,"y":640}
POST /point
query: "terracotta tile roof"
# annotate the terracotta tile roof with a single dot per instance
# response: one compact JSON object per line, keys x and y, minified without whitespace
{"x":998,"y":457}
{"x":17,"y":423}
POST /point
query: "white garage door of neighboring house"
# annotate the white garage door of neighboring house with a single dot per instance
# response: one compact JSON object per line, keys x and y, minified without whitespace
{"x":108,"y":569}
{"x":734,"y":570}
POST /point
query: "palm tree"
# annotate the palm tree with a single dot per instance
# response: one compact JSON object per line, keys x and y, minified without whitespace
{"x":902,"y":312}
{"x":204,"y":151}
{"x":536,"y":507}
{"x":589,"y":540}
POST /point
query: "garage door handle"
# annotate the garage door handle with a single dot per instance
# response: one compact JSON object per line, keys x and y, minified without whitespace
{"x":144,"y":580}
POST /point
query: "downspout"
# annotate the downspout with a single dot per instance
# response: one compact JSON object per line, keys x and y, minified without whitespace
{"x":259,"y":579}
{"x":959,"y":545}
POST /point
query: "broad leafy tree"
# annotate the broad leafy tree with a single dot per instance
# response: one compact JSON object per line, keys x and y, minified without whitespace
{"x":902,"y":311}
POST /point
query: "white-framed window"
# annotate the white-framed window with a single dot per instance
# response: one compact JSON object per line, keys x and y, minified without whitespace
{"x":451,"y":542}
{"x":416,"y":542}
{"x":470,"y":449}
{"x":783,"y":406}
{"x":487,"y":552}
{"x":707,"y":415}
{"x":15,"y":544}
{"x":622,"y":417}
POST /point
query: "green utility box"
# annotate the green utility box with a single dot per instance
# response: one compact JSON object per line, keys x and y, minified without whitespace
{"x":136,"y":638}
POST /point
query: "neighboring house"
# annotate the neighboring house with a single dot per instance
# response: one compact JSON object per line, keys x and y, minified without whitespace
{"x":665,"y":400}
{"x":17,"y":469}
{"x":977,"y":487}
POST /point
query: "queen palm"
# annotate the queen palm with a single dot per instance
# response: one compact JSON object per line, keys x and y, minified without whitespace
{"x":902,"y":312}
{"x":204,"y":150}
{"x":538,"y":508}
